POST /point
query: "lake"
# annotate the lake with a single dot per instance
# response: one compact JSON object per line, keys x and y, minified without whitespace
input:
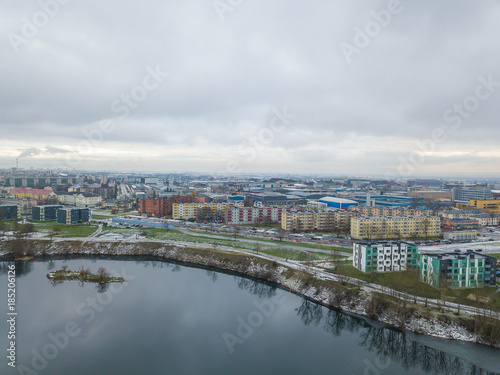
{"x":175,"y":319}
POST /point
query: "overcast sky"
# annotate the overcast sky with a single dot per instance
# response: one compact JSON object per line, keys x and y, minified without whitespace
{"x":291,"y":86}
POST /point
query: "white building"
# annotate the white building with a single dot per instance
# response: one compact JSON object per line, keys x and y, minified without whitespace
{"x":79,"y":200}
{"x":384,"y":256}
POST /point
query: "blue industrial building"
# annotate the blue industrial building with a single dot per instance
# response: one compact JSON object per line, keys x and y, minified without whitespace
{"x":338,"y":202}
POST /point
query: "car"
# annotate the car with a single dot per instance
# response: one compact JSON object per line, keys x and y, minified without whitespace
{"x":470,"y":250}
{"x":457,"y":251}
{"x":491,"y":239}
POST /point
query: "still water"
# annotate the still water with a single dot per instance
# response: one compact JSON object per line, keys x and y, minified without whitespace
{"x":173,"y":319}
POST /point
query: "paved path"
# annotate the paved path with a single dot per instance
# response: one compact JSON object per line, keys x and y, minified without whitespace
{"x":318,"y":272}
{"x":284,"y":244}
{"x":97,"y":232}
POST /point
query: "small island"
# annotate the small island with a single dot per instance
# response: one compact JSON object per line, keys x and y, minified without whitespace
{"x":102,"y":276}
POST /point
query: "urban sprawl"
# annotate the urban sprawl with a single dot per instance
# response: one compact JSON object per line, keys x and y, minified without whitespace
{"x":390,"y":226}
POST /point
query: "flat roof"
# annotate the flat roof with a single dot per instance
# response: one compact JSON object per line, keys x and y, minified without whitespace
{"x":337,"y":200}
{"x":461,"y":255}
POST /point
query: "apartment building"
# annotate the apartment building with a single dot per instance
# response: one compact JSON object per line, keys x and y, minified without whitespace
{"x":79,"y":199}
{"x":153,"y":207}
{"x":386,"y":211}
{"x":384,"y":256}
{"x":395,"y":227}
{"x":460,"y":224}
{"x":485,"y":204}
{"x":163,"y":206}
{"x":45,"y":213}
{"x":326,"y":221}
{"x":25,"y":204}
{"x":458,"y":270}
{"x":32,"y":182}
{"x":190,"y":210}
{"x":70,"y":216}
{"x":254,"y":215}
{"x":10,"y":212}
{"x":38,"y":194}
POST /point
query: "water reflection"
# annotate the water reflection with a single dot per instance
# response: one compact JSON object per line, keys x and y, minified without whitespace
{"x":385,"y":343}
{"x":255,"y":287}
{"x":388,"y":344}
{"x":310,"y":312}
{"x":22,"y":268}
{"x":212,"y":275}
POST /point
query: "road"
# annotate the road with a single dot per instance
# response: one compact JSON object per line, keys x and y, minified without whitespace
{"x":288,"y":245}
{"x":97,"y":232}
{"x":318,"y":272}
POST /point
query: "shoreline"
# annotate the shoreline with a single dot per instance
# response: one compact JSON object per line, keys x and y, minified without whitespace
{"x":347,"y":298}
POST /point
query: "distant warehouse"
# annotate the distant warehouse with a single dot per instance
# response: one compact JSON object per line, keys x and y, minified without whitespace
{"x":338,"y":202}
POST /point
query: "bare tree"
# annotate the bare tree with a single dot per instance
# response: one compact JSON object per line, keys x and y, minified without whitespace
{"x":257,"y":248}
{"x":247,"y":202}
{"x":236,"y":231}
{"x":102,"y":273}
{"x":281,"y":234}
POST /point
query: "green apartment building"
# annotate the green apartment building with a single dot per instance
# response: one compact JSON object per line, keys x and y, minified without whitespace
{"x":458,"y":270}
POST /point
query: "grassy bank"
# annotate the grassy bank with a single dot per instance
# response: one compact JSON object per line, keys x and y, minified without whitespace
{"x":174,"y":235}
{"x":408,"y":282}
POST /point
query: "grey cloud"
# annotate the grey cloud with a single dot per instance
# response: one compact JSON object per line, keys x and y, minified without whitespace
{"x":226,"y":76}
